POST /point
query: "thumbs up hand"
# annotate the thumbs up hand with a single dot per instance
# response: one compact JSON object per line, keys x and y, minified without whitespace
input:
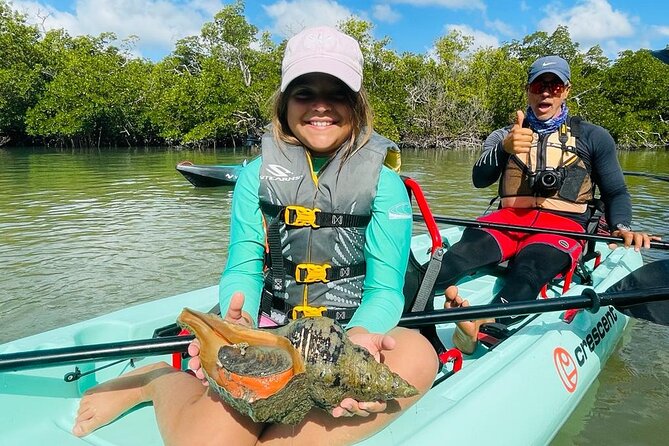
{"x":519,"y":139}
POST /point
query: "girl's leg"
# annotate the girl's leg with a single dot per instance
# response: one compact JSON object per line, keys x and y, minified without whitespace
{"x":413,"y":358}
{"x":186,"y":411}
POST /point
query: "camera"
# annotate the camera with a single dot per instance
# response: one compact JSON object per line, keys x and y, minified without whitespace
{"x":546,"y":182}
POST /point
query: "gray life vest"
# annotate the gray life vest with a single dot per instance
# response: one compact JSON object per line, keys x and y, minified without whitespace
{"x":316,"y":224}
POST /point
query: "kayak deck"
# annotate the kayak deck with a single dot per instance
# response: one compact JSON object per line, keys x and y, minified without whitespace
{"x":520,"y":391}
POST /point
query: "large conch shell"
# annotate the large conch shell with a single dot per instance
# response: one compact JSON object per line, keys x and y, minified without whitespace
{"x":278,"y":375}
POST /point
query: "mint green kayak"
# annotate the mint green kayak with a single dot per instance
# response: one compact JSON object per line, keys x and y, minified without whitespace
{"x":518,"y":393}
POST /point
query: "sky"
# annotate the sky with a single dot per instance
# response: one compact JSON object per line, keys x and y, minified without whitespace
{"x":411,"y":25}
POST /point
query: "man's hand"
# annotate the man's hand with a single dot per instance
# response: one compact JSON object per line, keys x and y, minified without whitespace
{"x":519,"y":139}
{"x":637,"y":239}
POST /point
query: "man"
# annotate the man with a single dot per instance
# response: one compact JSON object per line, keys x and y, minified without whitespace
{"x":548,"y":165}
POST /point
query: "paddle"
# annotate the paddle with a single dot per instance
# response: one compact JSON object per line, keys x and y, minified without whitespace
{"x":505,"y":227}
{"x":647,"y":175}
{"x":641,"y":294}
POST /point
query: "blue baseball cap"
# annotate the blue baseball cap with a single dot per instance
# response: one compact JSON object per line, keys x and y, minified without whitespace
{"x":663,"y":55}
{"x":549,"y":64}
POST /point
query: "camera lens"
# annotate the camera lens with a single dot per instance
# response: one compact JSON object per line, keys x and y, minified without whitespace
{"x":548,"y":180}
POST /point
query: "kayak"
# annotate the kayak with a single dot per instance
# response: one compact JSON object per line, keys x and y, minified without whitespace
{"x":518,"y":391}
{"x":210,"y":175}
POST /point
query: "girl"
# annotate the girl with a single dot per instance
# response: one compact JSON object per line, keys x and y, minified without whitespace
{"x":337,"y":226}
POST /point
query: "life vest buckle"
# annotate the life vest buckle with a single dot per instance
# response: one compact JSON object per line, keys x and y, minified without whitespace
{"x":308,"y":311}
{"x":300,"y":216}
{"x":311,"y":272}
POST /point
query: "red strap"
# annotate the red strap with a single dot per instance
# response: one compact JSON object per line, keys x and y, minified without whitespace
{"x":569,"y":315}
{"x":452,"y":356}
{"x":425,"y":211}
{"x":176,"y":357}
{"x":544,"y":291}
{"x":568,"y":277}
{"x":486,"y":339}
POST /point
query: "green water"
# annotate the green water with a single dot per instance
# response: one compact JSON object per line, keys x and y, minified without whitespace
{"x":85,"y":233}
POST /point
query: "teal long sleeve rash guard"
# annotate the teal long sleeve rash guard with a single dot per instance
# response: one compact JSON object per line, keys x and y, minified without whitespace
{"x":388,"y":239}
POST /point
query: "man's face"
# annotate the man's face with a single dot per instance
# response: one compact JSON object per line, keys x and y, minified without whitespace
{"x":546,"y":94}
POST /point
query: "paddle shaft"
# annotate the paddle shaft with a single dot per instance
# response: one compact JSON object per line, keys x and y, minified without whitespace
{"x":172,"y":344}
{"x":82,"y":353}
{"x":506,"y":227}
{"x":588,"y":300}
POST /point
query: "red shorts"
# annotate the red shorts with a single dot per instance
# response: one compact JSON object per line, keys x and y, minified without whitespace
{"x":510,"y":242}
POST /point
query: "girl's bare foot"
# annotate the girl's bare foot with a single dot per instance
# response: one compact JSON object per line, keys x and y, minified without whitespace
{"x":104,"y":403}
{"x":466,"y":333}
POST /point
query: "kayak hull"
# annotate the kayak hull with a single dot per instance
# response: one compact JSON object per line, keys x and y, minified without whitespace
{"x":209,"y":175}
{"x":520,"y":392}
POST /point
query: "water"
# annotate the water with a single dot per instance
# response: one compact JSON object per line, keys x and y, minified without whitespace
{"x":85,"y":233}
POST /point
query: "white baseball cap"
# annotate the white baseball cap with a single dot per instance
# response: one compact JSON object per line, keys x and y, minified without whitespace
{"x":323,"y":49}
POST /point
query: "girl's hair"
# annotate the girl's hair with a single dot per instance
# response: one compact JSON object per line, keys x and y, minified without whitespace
{"x":361,"y":117}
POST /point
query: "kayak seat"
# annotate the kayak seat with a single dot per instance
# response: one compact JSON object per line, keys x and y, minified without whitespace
{"x":420,"y":278}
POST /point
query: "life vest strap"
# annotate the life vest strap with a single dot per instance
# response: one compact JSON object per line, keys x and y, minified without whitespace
{"x":314,"y":272}
{"x":300,"y":216}
{"x":270,"y":302}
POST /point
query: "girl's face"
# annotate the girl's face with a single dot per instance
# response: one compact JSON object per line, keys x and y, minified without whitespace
{"x":319,"y":112}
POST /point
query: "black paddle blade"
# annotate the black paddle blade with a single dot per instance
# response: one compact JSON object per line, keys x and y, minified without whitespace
{"x":651,"y":275}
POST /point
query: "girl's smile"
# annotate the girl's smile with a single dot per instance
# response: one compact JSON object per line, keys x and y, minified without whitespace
{"x":320,"y":112}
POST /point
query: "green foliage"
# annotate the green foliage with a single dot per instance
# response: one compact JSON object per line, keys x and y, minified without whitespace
{"x":20,"y":77}
{"x":541,"y":44}
{"x":216,"y":87}
{"x":631,"y":102}
{"x":95,"y":94}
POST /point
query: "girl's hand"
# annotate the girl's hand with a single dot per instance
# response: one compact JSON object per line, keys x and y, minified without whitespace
{"x":350,"y":408}
{"x":375,"y":344}
{"x":234,"y":315}
{"x":194,"y":362}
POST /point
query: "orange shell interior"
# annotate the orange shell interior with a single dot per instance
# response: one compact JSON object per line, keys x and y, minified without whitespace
{"x":214,"y":332}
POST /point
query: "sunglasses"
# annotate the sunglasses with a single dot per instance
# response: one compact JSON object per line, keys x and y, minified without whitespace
{"x":555,"y":88}
{"x":308,"y":95}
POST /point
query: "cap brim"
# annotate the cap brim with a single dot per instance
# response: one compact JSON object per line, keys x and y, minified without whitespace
{"x":326,"y":65}
{"x":562,"y":77}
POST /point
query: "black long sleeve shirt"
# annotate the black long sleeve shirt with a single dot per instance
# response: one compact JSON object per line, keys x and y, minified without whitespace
{"x":594,"y":146}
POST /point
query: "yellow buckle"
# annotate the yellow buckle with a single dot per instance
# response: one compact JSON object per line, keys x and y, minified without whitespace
{"x":300,"y":216}
{"x":311,"y":272}
{"x":308,"y":311}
